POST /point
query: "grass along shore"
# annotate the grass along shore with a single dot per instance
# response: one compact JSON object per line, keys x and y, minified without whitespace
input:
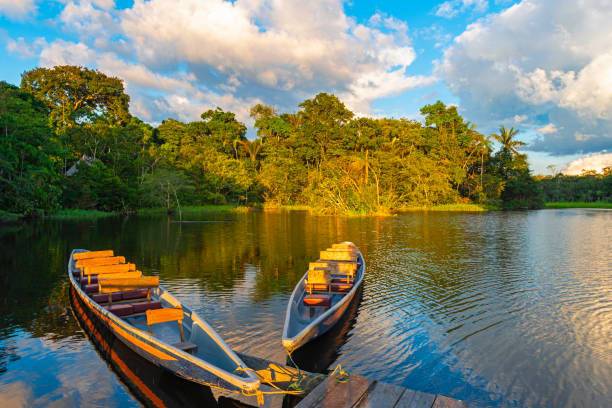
{"x":577,"y":204}
{"x":77,"y":214}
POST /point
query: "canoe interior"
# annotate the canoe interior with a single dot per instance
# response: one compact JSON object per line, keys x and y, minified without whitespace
{"x":210,"y":349}
{"x":302,"y":316}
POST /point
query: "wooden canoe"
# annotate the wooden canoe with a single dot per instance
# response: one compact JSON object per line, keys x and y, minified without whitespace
{"x":304,"y":321}
{"x":155,"y":325}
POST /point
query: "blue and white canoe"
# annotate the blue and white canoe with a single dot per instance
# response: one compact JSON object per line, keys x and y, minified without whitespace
{"x":153,"y":323}
{"x":323,"y":294}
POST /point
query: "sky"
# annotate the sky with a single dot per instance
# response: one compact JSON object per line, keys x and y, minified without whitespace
{"x":544,"y":67}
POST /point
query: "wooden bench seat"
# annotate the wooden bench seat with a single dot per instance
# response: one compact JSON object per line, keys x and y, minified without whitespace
{"x":320,"y":300}
{"x":110,"y":286}
{"x":93,"y":254}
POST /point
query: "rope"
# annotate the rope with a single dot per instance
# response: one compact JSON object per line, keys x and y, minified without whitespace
{"x":342,"y":376}
{"x":295,"y":388}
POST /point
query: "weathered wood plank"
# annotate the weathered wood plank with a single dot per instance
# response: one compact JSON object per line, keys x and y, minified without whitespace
{"x":415,"y":399}
{"x":333,"y":394}
{"x":445,"y":402}
{"x":381,"y":395}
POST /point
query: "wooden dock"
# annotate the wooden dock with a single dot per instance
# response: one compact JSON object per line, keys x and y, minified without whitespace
{"x":328,"y":392}
{"x":362,"y":392}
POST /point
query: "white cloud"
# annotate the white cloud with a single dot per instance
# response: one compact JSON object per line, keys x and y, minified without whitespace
{"x":25,"y":49}
{"x":154,"y":96}
{"x":550,"y":128}
{"x":17,"y":9}
{"x":595,"y":161}
{"x":451,"y":8}
{"x":179,"y":56}
{"x":551,"y":61}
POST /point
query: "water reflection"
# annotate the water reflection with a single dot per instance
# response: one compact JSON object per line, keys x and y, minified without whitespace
{"x":502,"y":309}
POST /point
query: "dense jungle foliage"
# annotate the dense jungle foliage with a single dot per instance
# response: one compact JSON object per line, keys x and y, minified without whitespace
{"x":68,"y":141}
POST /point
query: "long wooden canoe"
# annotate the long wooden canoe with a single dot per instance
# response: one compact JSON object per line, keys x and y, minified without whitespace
{"x":314,"y":308}
{"x":155,"y":325}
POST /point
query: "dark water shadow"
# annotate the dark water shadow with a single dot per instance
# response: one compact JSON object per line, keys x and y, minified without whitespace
{"x":317,"y":355}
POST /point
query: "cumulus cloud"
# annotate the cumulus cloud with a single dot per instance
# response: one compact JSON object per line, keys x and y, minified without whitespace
{"x":550,"y":128}
{"x":595,"y":161}
{"x":154,"y":96}
{"x":451,"y":8}
{"x":179,"y":56}
{"x":550,"y":61}
{"x":25,"y":49}
{"x":17,"y":9}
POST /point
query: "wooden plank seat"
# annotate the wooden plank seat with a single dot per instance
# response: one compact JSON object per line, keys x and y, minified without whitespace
{"x":337,"y":267}
{"x":120,"y":310}
{"x":115,"y":286}
{"x":343,"y":279}
{"x":318,"y":279}
{"x":142,"y":307}
{"x":341,"y":287}
{"x":130,"y":295}
{"x":345,"y":245}
{"x":338,"y":255}
{"x":171,"y":314}
{"x":110,"y":286}
{"x":93,"y":279}
{"x":102,"y":269}
{"x":320,"y":300}
{"x":93,"y":254}
{"x":109,"y":260}
{"x":131,"y":309}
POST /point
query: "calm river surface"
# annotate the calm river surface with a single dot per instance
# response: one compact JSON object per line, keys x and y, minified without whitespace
{"x":498,"y":309}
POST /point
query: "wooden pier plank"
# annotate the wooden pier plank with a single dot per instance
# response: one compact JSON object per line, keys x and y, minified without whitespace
{"x":415,"y":399}
{"x":381,"y":395}
{"x":445,"y":402}
{"x":321,"y":391}
{"x":333,"y":394}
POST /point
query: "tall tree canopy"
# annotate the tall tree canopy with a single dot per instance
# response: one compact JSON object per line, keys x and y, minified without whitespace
{"x":29,"y":154}
{"x":76,"y":95}
{"x":321,"y":155}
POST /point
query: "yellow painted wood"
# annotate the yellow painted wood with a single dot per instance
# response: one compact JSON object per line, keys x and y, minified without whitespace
{"x":119,"y":285}
{"x":344,"y":245}
{"x":120,"y":275}
{"x":319,"y":276}
{"x":109,"y":260}
{"x":92,"y":254}
{"x":101,"y":269}
{"x":169,"y":314}
{"x":338,"y":256}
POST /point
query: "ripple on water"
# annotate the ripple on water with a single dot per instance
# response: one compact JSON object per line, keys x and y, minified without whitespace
{"x":498,"y":309}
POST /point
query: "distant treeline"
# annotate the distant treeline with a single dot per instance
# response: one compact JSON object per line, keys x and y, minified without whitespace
{"x":589,"y":187}
{"x":68,"y":141}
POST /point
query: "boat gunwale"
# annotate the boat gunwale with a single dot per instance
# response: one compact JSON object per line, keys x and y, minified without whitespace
{"x":308,"y":328}
{"x":180,"y":354}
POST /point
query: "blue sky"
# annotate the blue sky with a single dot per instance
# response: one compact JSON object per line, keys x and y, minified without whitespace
{"x":543,"y":67}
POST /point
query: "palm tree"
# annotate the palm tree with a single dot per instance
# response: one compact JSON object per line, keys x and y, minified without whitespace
{"x":505,"y":137}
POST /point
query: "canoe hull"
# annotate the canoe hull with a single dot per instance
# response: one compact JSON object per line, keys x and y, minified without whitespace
{"x":142,"y":343}
{"x":325,"y":322}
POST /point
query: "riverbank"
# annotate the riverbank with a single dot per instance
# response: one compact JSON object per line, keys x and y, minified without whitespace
{"x":70,"y":214}
{"x":578,"y":204}
{"x":77,"y":214}
{"x":9,"y":217}
{"x":383,"y":213}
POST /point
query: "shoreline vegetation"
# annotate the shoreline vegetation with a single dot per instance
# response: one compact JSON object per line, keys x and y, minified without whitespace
{"x":209,"y":209}
{"x":71,"y":149}
{"x":577,"y":204}
{"x":78,"y":214}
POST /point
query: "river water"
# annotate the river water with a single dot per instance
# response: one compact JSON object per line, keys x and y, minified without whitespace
{"x":497,"y":309}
